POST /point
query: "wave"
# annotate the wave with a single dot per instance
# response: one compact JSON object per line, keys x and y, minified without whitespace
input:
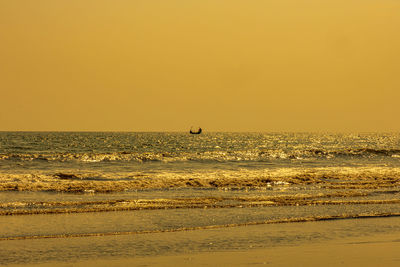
{"x":91,"y":181}
{"x":331,"y":154}
{"x":181,"y":229}
{"x":85,"y":157}
{"x":214,"y":156}
{"x":363,"y":152}
{"x":58,"y":207}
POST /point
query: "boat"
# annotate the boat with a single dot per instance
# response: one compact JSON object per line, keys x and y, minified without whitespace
{"x":196,"y":132}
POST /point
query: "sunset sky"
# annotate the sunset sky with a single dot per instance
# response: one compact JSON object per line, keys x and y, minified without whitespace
{"x":226,"y":65}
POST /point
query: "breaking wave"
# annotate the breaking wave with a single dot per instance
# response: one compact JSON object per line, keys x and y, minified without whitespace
{"x":214,"y":156}
{"x":223,"y":201}
{"x":97,"y":181}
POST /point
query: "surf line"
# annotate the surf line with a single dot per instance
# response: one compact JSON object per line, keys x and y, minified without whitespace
{"x":288,"y":220}
{"x":268,"y":202}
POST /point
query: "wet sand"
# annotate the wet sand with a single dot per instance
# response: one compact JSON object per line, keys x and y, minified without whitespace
{"x":350,"y":242}
{"x":372,"y":251}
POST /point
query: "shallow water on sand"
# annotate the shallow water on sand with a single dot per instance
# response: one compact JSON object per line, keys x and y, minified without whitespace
{"x":70,"y":250}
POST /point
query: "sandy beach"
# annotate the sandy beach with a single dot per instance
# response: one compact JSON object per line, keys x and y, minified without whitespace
{"x":351,"y":242}
{"x":381,"y":250}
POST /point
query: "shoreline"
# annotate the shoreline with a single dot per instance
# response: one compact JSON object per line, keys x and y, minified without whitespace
{"x":376,"y":251}
{"x":353,"y":242}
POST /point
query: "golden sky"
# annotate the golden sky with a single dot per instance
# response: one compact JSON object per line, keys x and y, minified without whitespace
{"x":226,"y":65}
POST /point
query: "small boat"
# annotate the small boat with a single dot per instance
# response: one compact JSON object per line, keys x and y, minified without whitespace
{"x":196,"y":132}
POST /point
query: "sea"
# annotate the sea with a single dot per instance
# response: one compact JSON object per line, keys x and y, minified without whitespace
{"x":70,"y":186}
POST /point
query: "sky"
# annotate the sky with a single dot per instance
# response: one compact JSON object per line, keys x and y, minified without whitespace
{"x":224,"y":65}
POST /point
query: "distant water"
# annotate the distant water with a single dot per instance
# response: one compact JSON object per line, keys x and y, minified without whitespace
{"x":161,"y":182}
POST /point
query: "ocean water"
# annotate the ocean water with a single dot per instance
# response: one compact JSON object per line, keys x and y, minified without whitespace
{"x":61,"y":185}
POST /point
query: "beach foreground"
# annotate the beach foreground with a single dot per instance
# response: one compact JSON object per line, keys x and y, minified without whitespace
{"x":372,"y":251}
{"x":351,"y":242}
{"x":379,"y":250}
